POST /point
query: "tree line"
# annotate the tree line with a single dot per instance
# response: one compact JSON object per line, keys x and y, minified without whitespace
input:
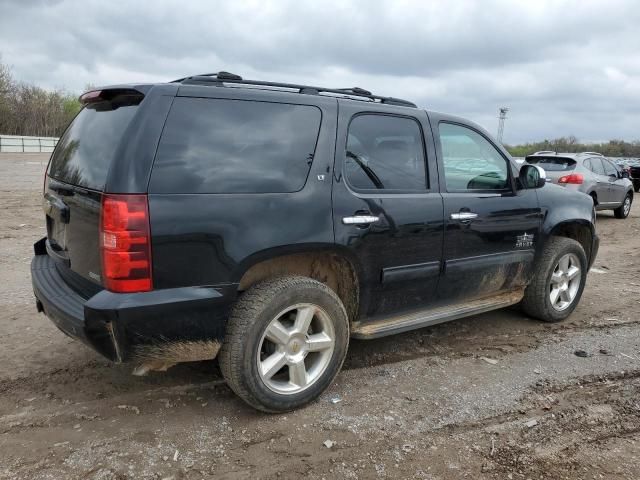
{"x":30,"y":110}
{"x":612,"y":148}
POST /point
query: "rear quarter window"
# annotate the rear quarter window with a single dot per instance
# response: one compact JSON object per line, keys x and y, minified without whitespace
{"x":235,"y":146}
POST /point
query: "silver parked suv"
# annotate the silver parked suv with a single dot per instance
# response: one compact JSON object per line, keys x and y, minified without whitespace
{"x":590,"y":173}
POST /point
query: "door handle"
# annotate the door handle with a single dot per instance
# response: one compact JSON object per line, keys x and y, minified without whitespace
{"x":360,"y":220}
{"x":464,"y":216}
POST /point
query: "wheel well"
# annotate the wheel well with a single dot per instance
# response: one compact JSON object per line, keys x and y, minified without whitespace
{"x":594,"y":195}
{"x":579,"y":233}
{"x":332,"y":269}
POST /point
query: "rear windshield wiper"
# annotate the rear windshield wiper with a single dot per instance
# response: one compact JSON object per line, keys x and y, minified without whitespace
{"x":367,"y":170}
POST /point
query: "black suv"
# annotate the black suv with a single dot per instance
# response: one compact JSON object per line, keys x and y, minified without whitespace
{"x":265,"y":224}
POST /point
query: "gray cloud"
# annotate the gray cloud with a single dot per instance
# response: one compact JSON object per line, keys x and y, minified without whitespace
{"x":564,"y":68}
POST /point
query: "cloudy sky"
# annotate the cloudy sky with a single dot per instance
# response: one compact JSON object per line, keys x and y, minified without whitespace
{"x":562,"y":67}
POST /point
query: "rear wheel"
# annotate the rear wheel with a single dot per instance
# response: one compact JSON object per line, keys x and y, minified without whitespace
{"x":623,"y":210}
{"x":285,"y":342}
{"x":558,"y":282}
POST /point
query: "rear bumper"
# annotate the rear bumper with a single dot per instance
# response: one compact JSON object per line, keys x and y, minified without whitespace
{"x":121,"y":326}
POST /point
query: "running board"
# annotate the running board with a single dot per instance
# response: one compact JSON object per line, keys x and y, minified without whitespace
{"x":425,"y":318}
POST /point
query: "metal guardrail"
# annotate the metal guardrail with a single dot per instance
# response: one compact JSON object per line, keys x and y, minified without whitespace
{"x":19,"y":144}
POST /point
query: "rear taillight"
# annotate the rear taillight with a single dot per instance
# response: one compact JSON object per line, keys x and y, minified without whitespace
{"x":575,"y":178}
{"x":125,"y":243}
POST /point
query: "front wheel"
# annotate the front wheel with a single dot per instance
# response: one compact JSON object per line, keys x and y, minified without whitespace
{"x":286,"y":340}
{"x":558,"y":281}
{"x":623,"y":210}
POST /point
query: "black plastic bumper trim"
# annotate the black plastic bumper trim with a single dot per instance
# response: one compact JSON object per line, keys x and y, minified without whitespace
{"x":114,"y":324}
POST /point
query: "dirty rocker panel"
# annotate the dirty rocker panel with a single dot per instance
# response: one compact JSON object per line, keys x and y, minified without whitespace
{"x":375,"y":328}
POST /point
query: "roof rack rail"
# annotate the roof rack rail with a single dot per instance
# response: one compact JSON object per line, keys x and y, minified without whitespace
{"x":220,"y":78}
{"x":592,"y":153}
{"x":542,"y":152}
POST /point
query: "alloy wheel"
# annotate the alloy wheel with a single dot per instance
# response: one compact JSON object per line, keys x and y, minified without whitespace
{"x":295,"y":349}
{"x":565,"y":282}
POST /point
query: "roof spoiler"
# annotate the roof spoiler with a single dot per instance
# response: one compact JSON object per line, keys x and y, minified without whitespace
{"x":110,"y":98}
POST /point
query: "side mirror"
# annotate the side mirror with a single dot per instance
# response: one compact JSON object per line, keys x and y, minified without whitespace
{"x":532,"y":176}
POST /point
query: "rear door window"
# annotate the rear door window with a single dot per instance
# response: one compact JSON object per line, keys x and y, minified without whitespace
{"x":385,"y":153}
{"x":235,"y":146}
{"x":85,"y":151}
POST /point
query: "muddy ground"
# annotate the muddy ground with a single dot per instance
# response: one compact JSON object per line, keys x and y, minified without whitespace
{"x":425,"y":404}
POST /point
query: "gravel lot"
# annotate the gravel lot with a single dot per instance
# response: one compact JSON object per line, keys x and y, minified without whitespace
{"x":494,"y":396}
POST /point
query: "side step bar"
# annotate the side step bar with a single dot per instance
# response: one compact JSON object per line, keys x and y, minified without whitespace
{"x":376,"y":328}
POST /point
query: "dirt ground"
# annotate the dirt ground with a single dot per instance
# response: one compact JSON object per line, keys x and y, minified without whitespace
{"x":496,"y":396}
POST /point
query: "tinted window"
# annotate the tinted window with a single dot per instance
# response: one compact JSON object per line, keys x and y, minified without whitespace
{"x":235,"y":146}
{"x":609,"y":169}
{"x":85,"y":151}
{"x":553,"y":164}
{"x":385,"y":152}
{"x":471,"y":162}
{"x":596,"y":166}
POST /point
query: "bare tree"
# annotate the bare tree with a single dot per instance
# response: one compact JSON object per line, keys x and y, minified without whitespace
{"x":30,"y":110}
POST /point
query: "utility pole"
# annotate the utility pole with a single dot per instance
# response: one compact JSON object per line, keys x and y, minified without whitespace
{"x":502,"y":117}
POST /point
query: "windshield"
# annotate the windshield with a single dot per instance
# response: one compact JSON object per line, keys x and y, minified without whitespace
{"x":552,"y":164}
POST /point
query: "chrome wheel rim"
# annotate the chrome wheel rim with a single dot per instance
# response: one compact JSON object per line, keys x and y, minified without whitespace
{"x":295,"y":349}
{"x":565,"y":282}
{"x":627,"y":206}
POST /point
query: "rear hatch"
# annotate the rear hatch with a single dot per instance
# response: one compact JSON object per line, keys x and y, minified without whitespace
{"x":75,"y":182}
{"x":555,"y":167}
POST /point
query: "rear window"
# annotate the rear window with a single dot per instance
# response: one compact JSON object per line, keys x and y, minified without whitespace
{"x":235,"y":146}
{"x":553,"y":164}
{"x":85,"y":151}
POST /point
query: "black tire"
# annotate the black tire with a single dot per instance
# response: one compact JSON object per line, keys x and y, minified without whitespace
{"x":620,"y":211}
{"x":536,"y":302}
{"x":249,"y":319}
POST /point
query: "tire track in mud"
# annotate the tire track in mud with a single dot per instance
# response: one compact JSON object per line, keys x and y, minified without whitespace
{"x":583,"y":413}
